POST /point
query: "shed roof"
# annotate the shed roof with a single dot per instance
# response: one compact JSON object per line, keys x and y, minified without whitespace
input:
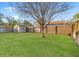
{"x":20,"y":25}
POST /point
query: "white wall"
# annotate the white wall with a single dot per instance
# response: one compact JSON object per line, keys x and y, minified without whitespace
{"x":2,"y":29}
{"x":16,"y":28}
{"x":22,"y":29}
{"x":19,"y":28}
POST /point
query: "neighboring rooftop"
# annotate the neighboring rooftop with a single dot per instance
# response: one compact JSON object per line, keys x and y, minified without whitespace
{"x":56,"y":22}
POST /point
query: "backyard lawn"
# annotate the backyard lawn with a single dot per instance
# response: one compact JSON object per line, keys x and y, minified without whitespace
{"x":31,"y":44}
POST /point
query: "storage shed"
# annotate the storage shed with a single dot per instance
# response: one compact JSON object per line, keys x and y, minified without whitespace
{"x":19,"y":28}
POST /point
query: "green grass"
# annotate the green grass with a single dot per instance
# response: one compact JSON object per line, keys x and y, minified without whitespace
{"x":31,"y":44}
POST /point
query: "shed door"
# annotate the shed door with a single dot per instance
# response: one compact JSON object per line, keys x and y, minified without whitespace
{"x":2,"y":29}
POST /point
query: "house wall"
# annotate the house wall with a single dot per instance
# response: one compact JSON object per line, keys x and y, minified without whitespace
{"x":2,"y":29}
{"x":21,"y":29}
{"x":16,"y":28}
{"x":29,"y":29}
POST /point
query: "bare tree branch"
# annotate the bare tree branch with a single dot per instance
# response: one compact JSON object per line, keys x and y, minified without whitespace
{"x":42,"y":12}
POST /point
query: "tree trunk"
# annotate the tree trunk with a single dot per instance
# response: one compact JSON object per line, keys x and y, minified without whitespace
{"x":33,"y":29}
{"x":56,"y":30}
{"x":46,"y":29}
{"x":42,"y":31}
{"x":77,"y":25}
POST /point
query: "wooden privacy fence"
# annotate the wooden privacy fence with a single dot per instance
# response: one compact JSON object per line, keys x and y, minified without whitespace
{"x":59,"y":29}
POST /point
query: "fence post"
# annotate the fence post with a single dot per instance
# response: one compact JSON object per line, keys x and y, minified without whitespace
{"x":56,"y":29}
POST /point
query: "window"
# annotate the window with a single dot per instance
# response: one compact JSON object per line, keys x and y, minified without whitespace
{"x":23,"y":28}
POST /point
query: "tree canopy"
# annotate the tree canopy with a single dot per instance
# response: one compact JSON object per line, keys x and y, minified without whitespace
{"x":27,"y":23}
{"x":76,"y":15}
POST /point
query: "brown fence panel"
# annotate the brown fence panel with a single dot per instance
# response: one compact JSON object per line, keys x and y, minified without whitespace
{"x":65,"y":29}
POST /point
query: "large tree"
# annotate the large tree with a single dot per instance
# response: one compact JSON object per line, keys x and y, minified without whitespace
{"x":27,"y":23}
{"x":11,"y":21}
{"x":42,"y":12}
